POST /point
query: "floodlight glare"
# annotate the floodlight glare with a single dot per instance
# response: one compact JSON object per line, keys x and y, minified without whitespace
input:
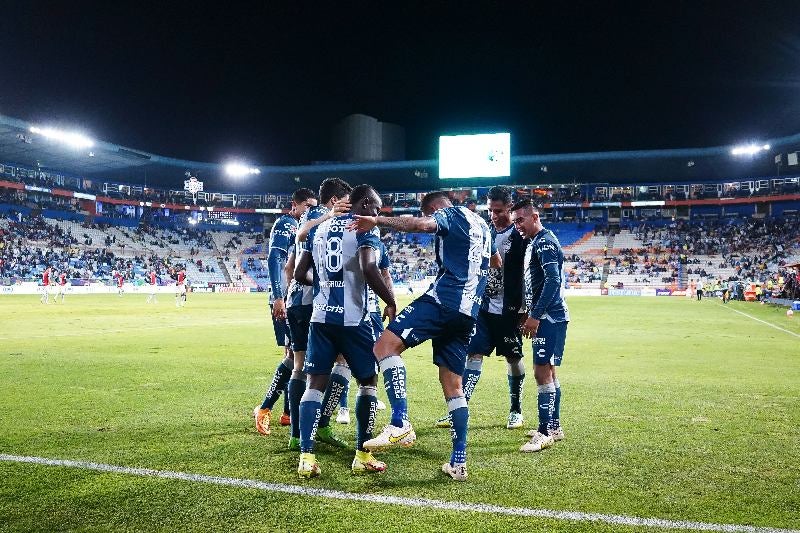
{"x":70,"y":138}
{"x":749,"y":149}
{"x":238,"y":170}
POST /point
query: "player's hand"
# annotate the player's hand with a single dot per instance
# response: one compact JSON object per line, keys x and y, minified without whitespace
{"x":362,"y":224}
{"x":340,"y":208}
{"x":390,"y":311}
{"x":530,"y":327}
{"x":279,"y":309}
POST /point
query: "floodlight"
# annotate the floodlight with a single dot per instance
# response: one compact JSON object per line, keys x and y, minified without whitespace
{"x":749,"y":149}
{"x":238,"y":170}
{"x":70,"y":138}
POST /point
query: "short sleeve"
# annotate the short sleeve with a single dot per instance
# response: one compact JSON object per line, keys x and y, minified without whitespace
{"x":283,"y":234}
{"x":442,"y":218}
{"x":314,"y":213}
{"x":370,"y":238}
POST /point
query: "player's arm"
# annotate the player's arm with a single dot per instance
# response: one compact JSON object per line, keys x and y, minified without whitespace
{"x":404,"y":224}
{"x":340,"y":207}
{"x":387,"y":279}
{"x":303,"y":272}
{"x":495,"y":261}
{"x":550,"y":288}
{"x":288,"y":268}
{"x":276,"y":261}
{"x":376,"y":281}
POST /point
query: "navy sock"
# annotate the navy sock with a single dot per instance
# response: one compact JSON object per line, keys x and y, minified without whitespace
{"x":286,"y":399}
{"x":546,"y":401}
{"x":471,"y":375}
{"x":277,"y":386}
{"x":297,"y":387}
{"x":366,"y":409}
{"x":515,"y":384}
{"x":516,"y":380}
{"x":555,"y":422}
{"x":394,"y":378}
{"x":459,"y":414}
{"x":343,"y":399}
{"x":310,"y":409}
{"x":340,"y":378}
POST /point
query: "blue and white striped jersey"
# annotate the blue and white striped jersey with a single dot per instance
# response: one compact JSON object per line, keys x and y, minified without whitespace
{"x":281,"y":237}
{"x":300,"y":294}
{"x":544,"y":283}
{"x":505,"y":288}
{"x":463,"y":247}
{"x":382,"y":258}
{"x":340,"y":290}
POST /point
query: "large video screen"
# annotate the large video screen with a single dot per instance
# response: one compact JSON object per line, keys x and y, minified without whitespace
{"x":487,"y":155}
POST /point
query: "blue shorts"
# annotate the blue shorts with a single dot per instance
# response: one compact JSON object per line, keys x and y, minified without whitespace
{"x":497,"y":332}
{"x":448,"y":329}
{"x":548,"y":345}
{"x":280,"y":328}
{"x":377,"y":322}
{"x":355,"y":343}
{"x":299,"y":318}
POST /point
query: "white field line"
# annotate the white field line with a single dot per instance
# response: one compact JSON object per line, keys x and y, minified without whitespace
{"x":573,"y":516}
{"x":140,"y":329}
{"x":762,"y":321}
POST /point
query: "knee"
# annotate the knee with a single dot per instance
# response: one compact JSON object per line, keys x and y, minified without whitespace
{"x":369,"y":382}
{"x":543,"y":374}
{"x":388,"y":344}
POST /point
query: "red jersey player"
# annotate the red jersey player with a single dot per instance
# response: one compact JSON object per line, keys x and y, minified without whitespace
{"x":46,"y":282}
{"x":153,"y":279}
{"x":180,"y":289}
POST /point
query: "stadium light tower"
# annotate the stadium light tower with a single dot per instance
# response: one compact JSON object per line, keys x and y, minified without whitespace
{"x":70,"y":138}
{"x":239,"y":170}
{"x":749,"y":149}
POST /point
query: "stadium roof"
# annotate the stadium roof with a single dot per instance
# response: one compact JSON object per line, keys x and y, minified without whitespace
{"x":112,"y":162}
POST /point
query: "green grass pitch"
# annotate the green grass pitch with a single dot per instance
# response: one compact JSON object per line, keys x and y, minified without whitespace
{"x":673,"y":409}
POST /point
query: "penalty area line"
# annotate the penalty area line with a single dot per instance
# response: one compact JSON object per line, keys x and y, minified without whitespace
{"x":762,"y":321}
{"x":572,"y":516}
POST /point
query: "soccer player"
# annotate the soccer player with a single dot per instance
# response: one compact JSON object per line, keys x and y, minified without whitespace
{"x":334,"y":193}
{"x":46,"y":281}
{"x":344,"y":264}
{"x":281,"y":238}
{"x":502,"y":310}
{"x":547,"y":319}
{"x":62,"y":287}
{"x":120,"y":281}
{"x":445,"y":313}
{"x":153,"y":279}
{"x":180,"y":287}
{"x":377,"y":322}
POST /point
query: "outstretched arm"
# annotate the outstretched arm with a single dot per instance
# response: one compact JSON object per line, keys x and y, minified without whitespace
{"x":376,"y":281}
{"x":404,"y":224}
{"x":339,"y":208}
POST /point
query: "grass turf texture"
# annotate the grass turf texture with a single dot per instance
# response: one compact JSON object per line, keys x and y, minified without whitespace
{"x":673,"y":409}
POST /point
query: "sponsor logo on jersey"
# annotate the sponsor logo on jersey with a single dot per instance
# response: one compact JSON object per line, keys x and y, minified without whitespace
{"x":329,"y":308}
{"x":337,"y":284}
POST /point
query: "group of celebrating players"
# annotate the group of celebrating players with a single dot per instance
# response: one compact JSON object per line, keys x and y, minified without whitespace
{"x":495,"y":285}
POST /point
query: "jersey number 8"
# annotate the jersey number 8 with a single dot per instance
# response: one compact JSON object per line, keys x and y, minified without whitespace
{"x":333,"y":254}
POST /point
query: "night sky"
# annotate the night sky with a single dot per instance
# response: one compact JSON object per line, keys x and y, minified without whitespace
{"x":268,"y":82}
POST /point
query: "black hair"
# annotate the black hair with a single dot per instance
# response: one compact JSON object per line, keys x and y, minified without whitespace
{"x":333,"y":187}
{"x":303,"y":194}
{"x":501,"y":193}
{"x":360,"y":192}
{"x":522,"y":204}
{"x":431,"y":197}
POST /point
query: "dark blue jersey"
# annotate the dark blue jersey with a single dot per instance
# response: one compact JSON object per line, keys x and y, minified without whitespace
{"x":281,"y":238}
{"x":544,"y":283}
{"x":300,"y":294}
{"x":463,"y":248}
